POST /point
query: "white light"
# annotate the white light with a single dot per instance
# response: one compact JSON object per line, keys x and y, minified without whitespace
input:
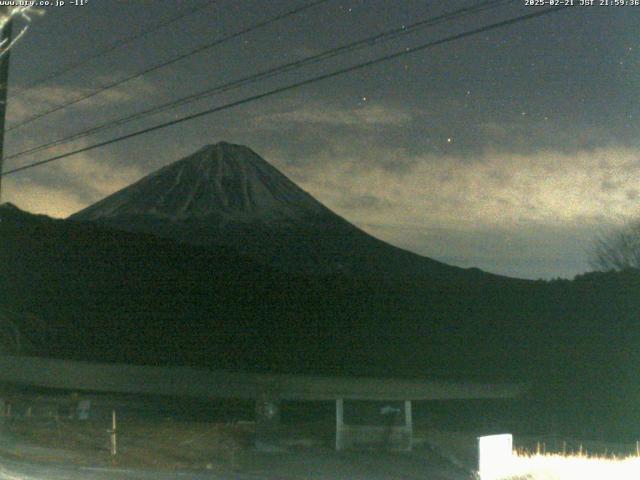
{"x":575,"y":467}
{"x":495,"y":456}
{"x":498,"y":461}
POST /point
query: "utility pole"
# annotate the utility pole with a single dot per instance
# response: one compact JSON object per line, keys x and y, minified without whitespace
{"x":5,"y":51}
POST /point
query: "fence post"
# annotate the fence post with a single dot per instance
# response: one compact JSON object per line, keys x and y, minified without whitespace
{"x":113,"y":432}
{"x":408,"y":423}
{"x":339,"y":424}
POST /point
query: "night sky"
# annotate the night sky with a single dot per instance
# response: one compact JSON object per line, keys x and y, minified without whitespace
{"x":507,"y":150}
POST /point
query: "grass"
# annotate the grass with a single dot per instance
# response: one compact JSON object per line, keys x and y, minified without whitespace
{"x":159,"y":444}
{"x":568,"y":467}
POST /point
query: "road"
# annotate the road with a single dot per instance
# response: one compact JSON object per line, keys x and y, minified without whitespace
{"x":354,"y":466}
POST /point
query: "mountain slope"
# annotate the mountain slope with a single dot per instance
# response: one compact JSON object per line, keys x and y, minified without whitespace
{"x":107,"y":294}
{"x":228,"y":195}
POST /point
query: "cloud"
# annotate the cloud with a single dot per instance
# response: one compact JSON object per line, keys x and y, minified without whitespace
{"x":64,"y":187}
{"x":532,"y":215}
{"x":39,"y":198}
{"x":24,"y":105}
{"x":499,"y":188}
{"x":321,"y":114}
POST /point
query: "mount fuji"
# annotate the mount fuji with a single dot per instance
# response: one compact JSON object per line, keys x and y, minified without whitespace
{"x":227,"y":195}
{"x":222,"y":183}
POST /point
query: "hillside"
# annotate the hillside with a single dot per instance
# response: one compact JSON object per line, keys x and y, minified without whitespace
{"x":109,"y":294}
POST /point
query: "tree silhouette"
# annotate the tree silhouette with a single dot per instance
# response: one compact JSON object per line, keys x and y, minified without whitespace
{"x":619,"y":249}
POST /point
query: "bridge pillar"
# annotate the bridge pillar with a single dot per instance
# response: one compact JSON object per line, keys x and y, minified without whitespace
{"x":408,"y":424}
{"x":340,"y":433}
{"x":393,"y":430}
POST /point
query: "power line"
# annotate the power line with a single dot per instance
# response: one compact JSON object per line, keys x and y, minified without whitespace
{"x":292,"y":86}
{"x":114,"y":46}
{"x":171,"y":61}
{"x":327,"y":54}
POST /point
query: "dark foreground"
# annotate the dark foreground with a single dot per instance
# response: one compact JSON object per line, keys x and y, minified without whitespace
{"x":167,"y":449}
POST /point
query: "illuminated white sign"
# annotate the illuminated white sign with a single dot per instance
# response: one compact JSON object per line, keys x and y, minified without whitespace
{"x":495,"y":456}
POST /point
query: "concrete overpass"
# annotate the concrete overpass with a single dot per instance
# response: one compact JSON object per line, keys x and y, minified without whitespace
{"x":267,"y":390}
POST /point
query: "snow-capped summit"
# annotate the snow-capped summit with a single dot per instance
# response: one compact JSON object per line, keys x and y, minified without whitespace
{"x":229,"y":182}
